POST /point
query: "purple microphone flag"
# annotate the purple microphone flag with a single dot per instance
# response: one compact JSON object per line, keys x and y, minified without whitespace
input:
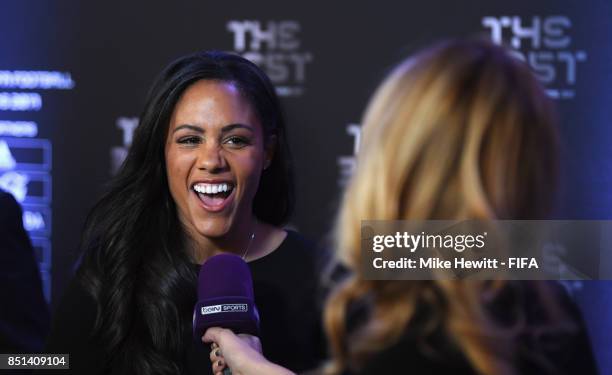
{"x":225,"y":297}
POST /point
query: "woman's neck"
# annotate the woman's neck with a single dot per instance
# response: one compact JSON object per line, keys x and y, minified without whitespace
{"x":239,"y":241}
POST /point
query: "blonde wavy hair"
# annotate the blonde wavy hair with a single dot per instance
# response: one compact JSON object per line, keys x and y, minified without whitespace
{"x":462,"y":130}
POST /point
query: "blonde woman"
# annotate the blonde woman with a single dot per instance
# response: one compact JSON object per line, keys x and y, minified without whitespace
{"x":462,"y":130}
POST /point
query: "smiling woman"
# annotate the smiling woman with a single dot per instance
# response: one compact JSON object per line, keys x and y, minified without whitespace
{"x":216,"y":152}
{"x":208,"y":172}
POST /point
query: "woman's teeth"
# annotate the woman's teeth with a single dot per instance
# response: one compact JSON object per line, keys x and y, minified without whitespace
{"x":214,"y":196}
{"x":212,"y":188}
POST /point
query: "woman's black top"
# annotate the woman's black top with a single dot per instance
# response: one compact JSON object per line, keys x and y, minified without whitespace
{"x":286,"y":290}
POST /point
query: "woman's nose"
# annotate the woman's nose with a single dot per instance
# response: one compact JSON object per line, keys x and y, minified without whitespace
{"x":211,"y":158}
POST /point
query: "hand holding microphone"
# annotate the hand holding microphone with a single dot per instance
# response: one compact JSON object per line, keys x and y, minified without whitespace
{"x":226,"y":312}
{"x":243,"y":351}
{"x":225,"y":300}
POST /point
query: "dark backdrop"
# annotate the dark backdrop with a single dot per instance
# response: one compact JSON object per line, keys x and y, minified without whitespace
{"x":325,"y":58}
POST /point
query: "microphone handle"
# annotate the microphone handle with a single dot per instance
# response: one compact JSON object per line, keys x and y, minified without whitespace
{"x":227,"y":371}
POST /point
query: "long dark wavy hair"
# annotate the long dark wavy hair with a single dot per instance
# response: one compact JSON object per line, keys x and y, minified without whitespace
{"x":135,"y":263}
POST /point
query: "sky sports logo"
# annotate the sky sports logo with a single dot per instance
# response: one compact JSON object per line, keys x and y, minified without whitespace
{"x":215,"y":309}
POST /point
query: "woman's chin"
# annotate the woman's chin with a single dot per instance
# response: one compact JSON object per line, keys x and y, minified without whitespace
{"x":214,"y":231}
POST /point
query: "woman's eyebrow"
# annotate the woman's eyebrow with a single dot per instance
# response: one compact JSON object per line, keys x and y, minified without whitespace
{"x":225,"y":129}
{"x":230,"y":127}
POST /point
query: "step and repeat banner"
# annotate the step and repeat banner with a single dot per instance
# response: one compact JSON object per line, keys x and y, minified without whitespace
{"x":74,"y":75}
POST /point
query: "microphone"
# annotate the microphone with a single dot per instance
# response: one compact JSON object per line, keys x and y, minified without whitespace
{"x":225,"y":297}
